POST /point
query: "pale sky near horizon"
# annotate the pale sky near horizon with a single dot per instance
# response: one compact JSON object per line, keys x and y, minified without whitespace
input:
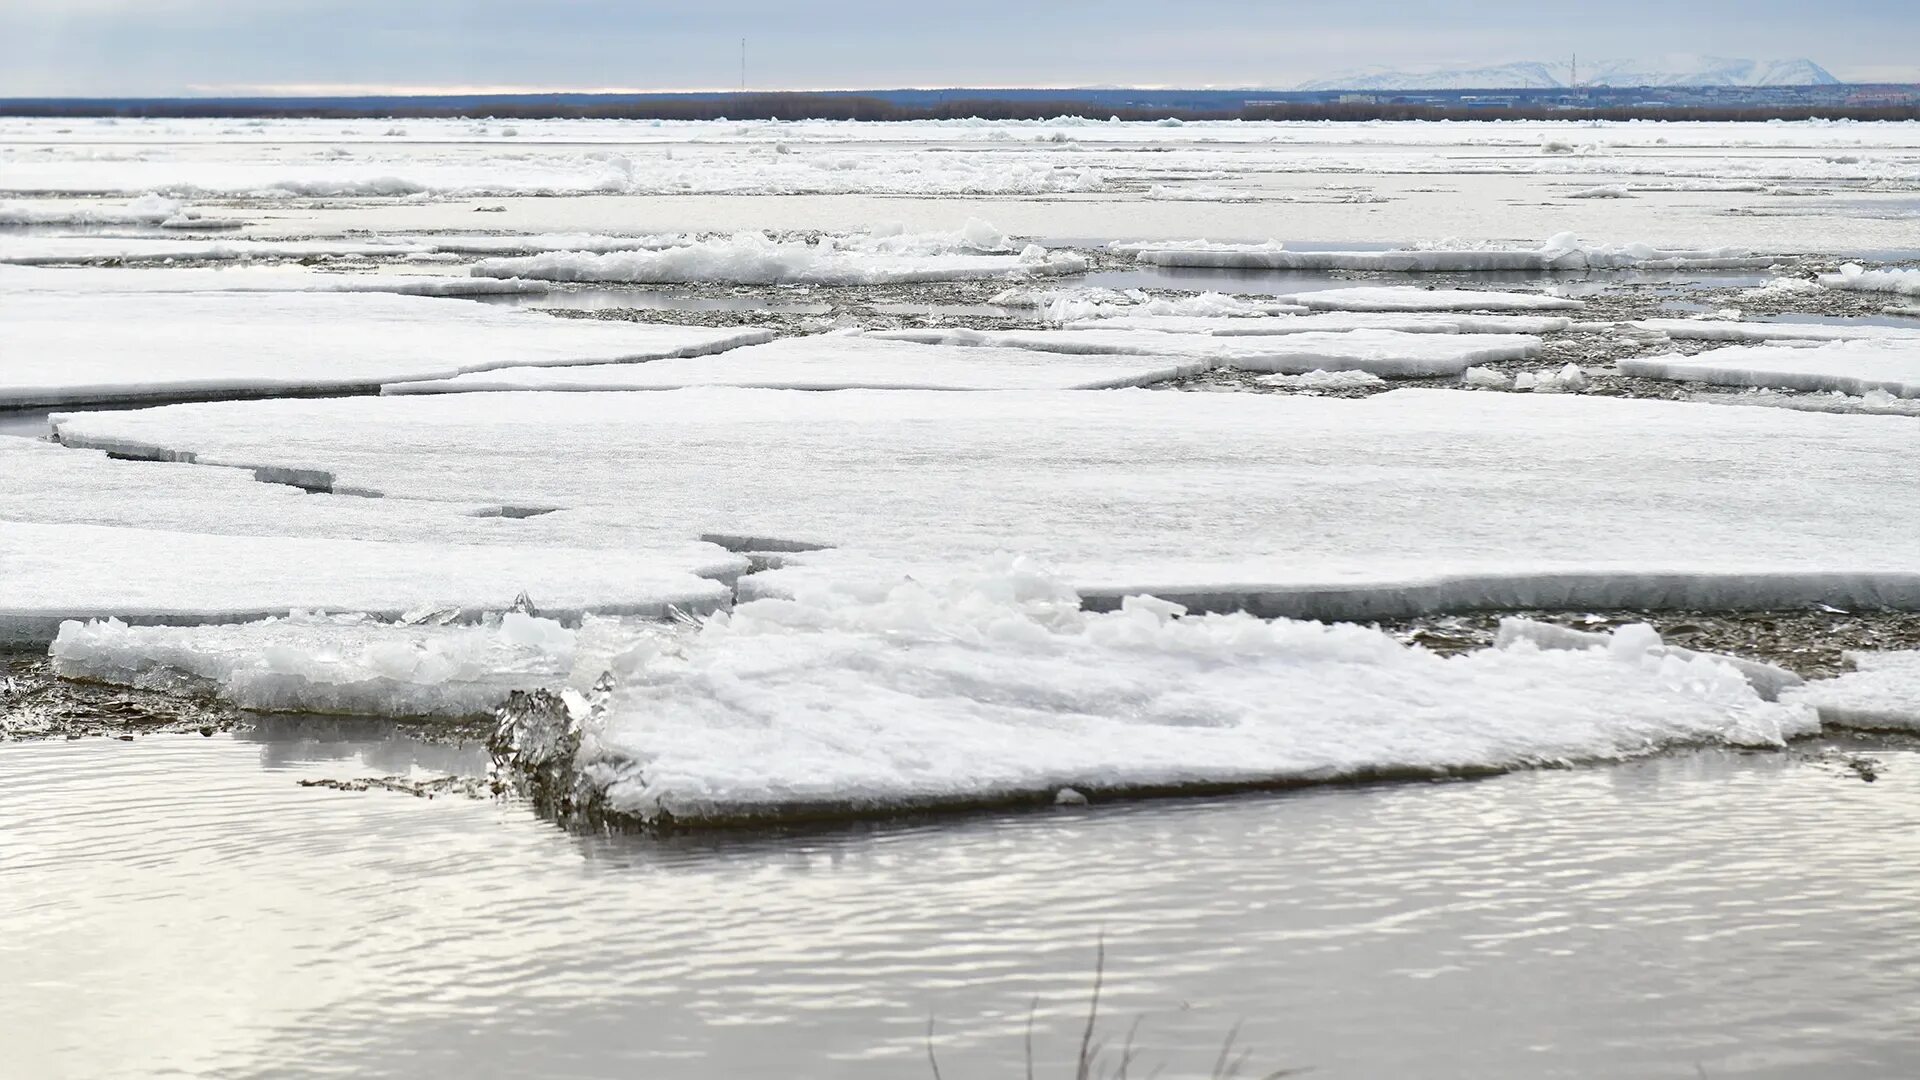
{"x":188,"y":47}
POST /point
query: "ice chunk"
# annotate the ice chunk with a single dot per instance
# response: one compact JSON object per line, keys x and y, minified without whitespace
{"x":1883,"y":694}
{"x":1418,"y":322}
{"x":1407,"y":501}
{"x":1722,"y":330}
{"x":347,"y":664}
{"x":1608,"y":191}
{"x":1850,"y":367}
{"x":993,"y":688}
{"x":1767,"y":680}
{"x":757,"y":259}
{"x":1858,"y":278}
{"x":146,"y":210}
{"x":1571,"y":378}
{"x":1382,"y":352}
{"x":1409,"y":298}
{"x":1326,"y":380}
{"x":839,"y":362}
{"x":64,"y":348}
{"x":1481,"y":378}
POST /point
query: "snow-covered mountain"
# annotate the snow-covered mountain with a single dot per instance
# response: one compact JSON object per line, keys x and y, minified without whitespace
{"x":1683,"y":70}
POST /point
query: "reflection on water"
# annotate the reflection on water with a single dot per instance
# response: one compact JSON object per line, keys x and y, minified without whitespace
{"x":181,"y":905}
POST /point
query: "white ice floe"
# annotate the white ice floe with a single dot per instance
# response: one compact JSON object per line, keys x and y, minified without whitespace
{"x":66,"y":348}
{"x":1410,"y":298}
{"x":1850,"y":367}
{"x":1482,"y":378}
{"x":1767,"y":680}
{"x":1882,"y":694}
{"x":1415,"y":322}
{"x":838,"y":362}
{"x":1726,"y":330}
{"x":350,"y":664}
{"x":95,"y":280}
{"x":757,"y":259}
{"x":1562,"y":252}
{"x":1382,"y":352}
{"x":54,"y":573}
{"x":1407,"y":501}
{"x":146,"y":210}
{"x":1569,"y":378}
{"x":1606,"y":191}
{"x":1856,"y":277}
{"x":1326,"y":380}
{"x":1873,"y":402}
{"x":972,"y":690}
{"x":56,"y":250}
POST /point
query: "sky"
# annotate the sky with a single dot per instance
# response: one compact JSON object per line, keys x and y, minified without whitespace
{"x":212,"y":47}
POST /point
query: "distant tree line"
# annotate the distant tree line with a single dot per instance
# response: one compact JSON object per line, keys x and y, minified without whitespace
{"x":856,"y":107}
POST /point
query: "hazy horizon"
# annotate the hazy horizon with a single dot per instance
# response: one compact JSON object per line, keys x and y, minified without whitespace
{"x":164,"y":48}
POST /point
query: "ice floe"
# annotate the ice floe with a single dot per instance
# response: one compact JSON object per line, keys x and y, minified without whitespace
{"x":992,"y":688}
{"x":1408,"y":501}
{"x":838,"y":362}
{"x":1850,"y":367}
{"x":56,"y":250}
{"x":1562,"y":252}
{"x":1857,"y":278}
{"x":1410,"y":298}
{"x":1382,"y":352}
{"x":94,"y":280}
{"x":67,"y":348}
{"x":758,"y":259}
{"x":1418,"y":322}
{"x":1726,"y":330}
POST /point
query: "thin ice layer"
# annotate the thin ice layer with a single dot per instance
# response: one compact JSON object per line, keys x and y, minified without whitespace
{"x":149,"y":279}
{"x":1849,"y":367}
{"x":1882,"y":694}
{"x":837,"y":362}
{"x":1417,"y":322}
{"x":1410,"y":298}
{"x":1380,"y":352}
{"x":1723,"y":330}
{"x":1562,"y":252}
{"x":52,"y":573}
{"x":131,"y":347}
{"x":997,"y":688}
{"x":1407,"y":501}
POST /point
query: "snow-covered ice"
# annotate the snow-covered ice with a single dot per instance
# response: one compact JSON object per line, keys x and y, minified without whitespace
{"x":1408,"y":501}
{"x":1727,"y":330}
{"x":1850,"y":367}
{"x":1858,"y":278}
{"x":94,"y":280}
{"x":1883,"y":693}
{"x":1417,"y":322}
{"x":838,"y":362}
{"x":1327,"y":380}
{"x":1381,"y":352}
{"x":1561,"y":252}
{"x":55,"y":250}
{"x":1410,"y":298}
{"x":66,"y":348}
{"x":997,"y":687}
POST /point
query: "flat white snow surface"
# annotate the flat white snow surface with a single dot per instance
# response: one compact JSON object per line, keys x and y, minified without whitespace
{"x":1882,"y":694}
{"x":1561,"y":252}
{"x":1722,"y":330}
{"x":749,"y":258}
{"x":1850,"y":367}
{"x":1407,"y":501}
{"x":127,"y":347}
{"x":997,"y":687}
{"x":52,"y":250}
{"x":93,"y":280}
{"x":1381,"y":352}
{"x":1858,"y":278}
{"x":838,"y":362}
{"x":1410,"y":298}
{"x":1418,"y":322}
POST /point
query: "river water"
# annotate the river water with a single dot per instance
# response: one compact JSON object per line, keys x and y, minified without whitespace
{"x":180,"y":905}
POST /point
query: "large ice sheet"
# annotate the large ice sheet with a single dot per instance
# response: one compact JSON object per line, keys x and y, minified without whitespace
{"x":65,"y":348}
{"x":757,"y":259}
{"x":1381,"y":352}
{"x":1328,"y":322}
{"x":996,"y":688}
{"x":53,"y":573}
{"x":150,"y":279}
{"x":1410,"y":298}
{"x":1858,"y":278}
{"x":1850,"y":367}
{"x":1407,"y":501}
{"x":1562,"y":252}
{"x":838,"y":362}
{"x":1882,"y":693}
